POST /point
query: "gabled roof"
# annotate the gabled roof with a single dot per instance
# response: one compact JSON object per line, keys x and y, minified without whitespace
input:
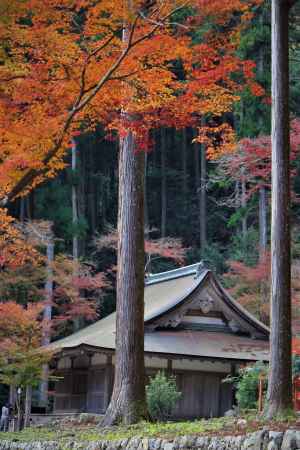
{"x":168,"y":296}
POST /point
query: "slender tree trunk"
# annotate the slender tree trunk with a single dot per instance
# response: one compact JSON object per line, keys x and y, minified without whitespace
{"x":47,"y":316}
{"x":163,"y":148}
{"x":280,"y":377}
{"x":22,"y":209}
{"x":128,"y":399}
{"x":28,"y":400}
{"x":197,"y":154}
{"x":202,"y":212}
{"x":146,"y":215}
{"x":244,"y":204}
{"x":263,"y":233}
{"x":74,"y":201}
{"x":184,"y":170}
{"x":263,"y":238}
{"x":77,"y":322}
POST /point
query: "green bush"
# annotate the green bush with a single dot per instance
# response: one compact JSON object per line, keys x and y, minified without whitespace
{"x":247,"y":384}
{"x":162,"y":396}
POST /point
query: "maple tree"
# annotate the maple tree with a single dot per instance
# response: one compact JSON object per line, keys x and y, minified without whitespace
{"x":82,"y":72}
{"x":250,"y":160}
{"x":22,"y":356}
{"x":77,"y":291}
{"x":68,"y":65}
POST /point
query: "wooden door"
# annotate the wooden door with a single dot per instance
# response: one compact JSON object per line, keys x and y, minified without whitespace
{"x":200,"y":395}
{"x":63,"y":392}
{"x":96,"y":388}
{"x":79,"y":391}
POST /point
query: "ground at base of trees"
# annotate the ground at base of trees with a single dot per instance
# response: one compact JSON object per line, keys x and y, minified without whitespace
{"x":88,"y":431}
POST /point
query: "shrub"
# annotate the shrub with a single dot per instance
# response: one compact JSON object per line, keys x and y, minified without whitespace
{"x":162,"y":396}
{"x":247,"y":384}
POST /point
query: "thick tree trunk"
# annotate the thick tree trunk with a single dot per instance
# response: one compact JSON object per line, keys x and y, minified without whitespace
{"x":163,"y":148}
{"x":128,"y":399}
{"x":280,"y":377}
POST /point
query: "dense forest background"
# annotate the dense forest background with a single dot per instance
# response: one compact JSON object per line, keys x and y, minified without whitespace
{"x":218,"y":208}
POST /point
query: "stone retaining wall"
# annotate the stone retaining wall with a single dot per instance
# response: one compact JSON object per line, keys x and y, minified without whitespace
{"x":260,"y":440}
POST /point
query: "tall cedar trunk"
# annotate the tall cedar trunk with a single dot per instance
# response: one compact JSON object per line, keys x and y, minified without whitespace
{"x":28,"y":400}
{"x":128,"y":402}
{"x":163,"y":145}
{"x":280,"y":376}
{"x":47,"y":316}
{"x":202,"y":212}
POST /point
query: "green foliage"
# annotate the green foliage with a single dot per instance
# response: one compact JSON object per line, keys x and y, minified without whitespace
{"x":247,"y":384}
{"x":296,"y":365}
{"x":244,"y":248}
{"x":162,"y":396}
{"x":211,"y":255}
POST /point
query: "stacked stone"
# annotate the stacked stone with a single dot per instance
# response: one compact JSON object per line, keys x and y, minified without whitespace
{"x":260,"y":440}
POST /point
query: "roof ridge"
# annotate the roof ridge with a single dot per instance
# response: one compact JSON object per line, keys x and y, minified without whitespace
{"x":196,"y":269}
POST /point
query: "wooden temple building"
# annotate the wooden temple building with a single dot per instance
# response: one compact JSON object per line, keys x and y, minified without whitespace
{"x":193,"y":330}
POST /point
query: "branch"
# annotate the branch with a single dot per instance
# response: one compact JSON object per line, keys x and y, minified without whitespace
{"x":82,"y":101}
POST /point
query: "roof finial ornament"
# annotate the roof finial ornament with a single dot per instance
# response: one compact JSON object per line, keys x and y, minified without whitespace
{"x":200,"y":268}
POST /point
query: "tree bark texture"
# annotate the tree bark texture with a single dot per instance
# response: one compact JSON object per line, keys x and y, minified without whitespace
{"x":163,"y":148}
{"x":128,"y":402}
{"x":280,"y":376}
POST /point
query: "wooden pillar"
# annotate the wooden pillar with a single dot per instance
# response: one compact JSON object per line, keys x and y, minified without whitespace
{"x":233,"y":374}
{"x":108,"y":382}
{"x":169,"y":367}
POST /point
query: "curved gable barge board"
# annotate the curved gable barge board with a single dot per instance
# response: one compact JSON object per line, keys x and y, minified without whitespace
{"x":247,"y":322}
{"x":238,"y":309}
{"x":159,"y":313}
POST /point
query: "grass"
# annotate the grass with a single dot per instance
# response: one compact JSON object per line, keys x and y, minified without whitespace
{"x":166,"y":430}
{"x":76,"y":432}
